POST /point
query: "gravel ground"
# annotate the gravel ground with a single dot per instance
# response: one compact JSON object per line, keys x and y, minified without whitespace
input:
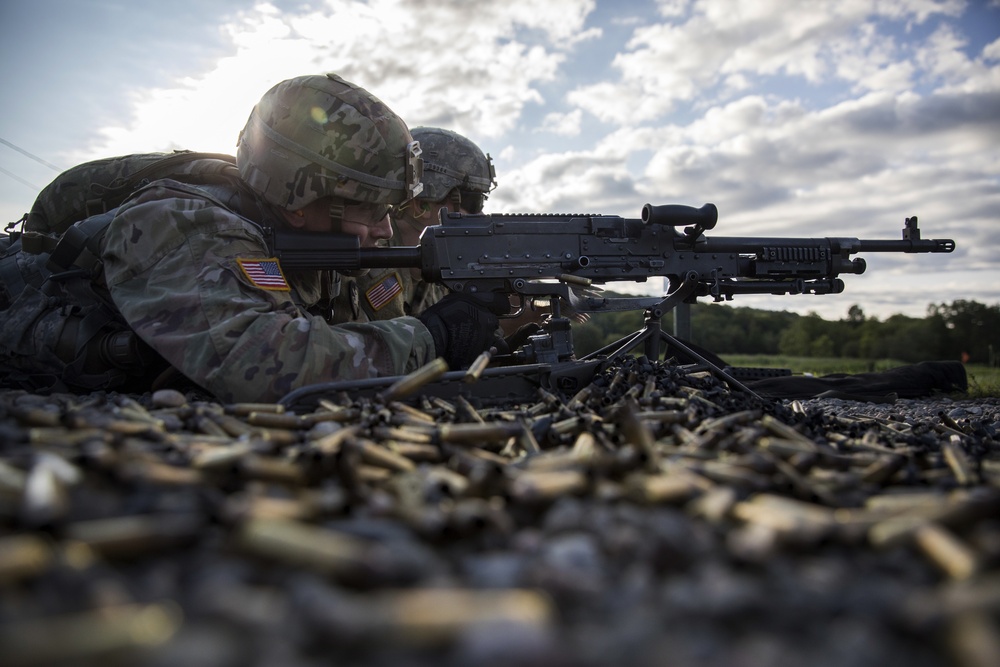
{"x":985,"y":409}
{"x":659,"y":519}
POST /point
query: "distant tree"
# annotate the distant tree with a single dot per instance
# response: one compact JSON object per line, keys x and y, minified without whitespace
{"x":821,"y":347}
{"x":946,"y":332}
{"x":799,"y":338}
{"x":972,"y":328}
{"x":587,"y":337}
{"x":738,"y":330}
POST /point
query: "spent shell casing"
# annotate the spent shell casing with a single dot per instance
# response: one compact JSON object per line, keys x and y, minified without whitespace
{"x":414,"y":413}
{"x":89,"y":637}
{"x":417,"y":452}
{"x":884,"y":467}
{"x":957,"y":559}
{"x":305,"y":545}
{"x":491,"y":432}
{"x":638,"y":433}
{"x":437,"y":615}
{"x":470,"y":411}
{"x":418,"y":434}
{"x":37,"y":416}
{"x":956,"y":459}
{"x":947,"y":420}
{"x":974,"y":639}
{"x":783,"y":430}
{"x":57,"y":435}
{"x":786,"y":447}
{"x":205,"y":424}
{"x":23,"y":556}
{"x":728,"y":421}
{"x":247,"y":408}
{"x":528,"y":441}
{"x":378,"y":455}
{"x":665,"y":488}
{"x":408,"y":384}
{"x":475,"y":371}
{"x":215,"y":457}
{"x":137,"y":534}
{"x":443,"y":405}
{"x":585,"y":447}
{"x":273,"y":420}
{"x":795,"y":519}
{"x":161,"y":474}
{"x":571,"y":279}
{"x":272,"y":469}
{"x":530,"y":487}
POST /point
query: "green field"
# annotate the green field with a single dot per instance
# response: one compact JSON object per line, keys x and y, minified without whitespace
{"x":983,"y":380}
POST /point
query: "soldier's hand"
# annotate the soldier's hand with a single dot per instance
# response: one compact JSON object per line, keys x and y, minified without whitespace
{"x":462,"y":328}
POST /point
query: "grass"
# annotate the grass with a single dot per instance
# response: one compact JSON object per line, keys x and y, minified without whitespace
{"x":984,"y":381}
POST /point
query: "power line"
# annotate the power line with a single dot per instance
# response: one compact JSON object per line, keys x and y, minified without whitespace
{"x":33,"y":157}
{"x":18,"y":178}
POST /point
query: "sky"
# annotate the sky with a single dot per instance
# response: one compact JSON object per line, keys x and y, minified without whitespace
{"x":803,"y":119}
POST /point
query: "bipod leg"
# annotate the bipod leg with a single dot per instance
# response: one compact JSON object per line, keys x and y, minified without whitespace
{"x":652,"y":332}
{"x":713,"y":368}
{"x":618,"y":348}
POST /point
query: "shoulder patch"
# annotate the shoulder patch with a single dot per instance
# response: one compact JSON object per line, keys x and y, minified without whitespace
{"x":382,"y":292}
{"x":264,"y":273}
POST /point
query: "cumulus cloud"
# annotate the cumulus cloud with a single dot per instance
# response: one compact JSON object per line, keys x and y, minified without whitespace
{"x":468,"y":66}
{"x":827,"y":118}
{"x":565,"y":124}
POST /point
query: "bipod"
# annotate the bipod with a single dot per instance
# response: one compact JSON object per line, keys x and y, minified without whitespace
{"x":652,"y":335}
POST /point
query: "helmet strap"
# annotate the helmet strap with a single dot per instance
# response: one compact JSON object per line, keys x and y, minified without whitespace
{"x":336,"y":215}
{"x":455,"y":197}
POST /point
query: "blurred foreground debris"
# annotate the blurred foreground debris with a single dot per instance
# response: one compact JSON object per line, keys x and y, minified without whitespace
{"x":653,"y":514}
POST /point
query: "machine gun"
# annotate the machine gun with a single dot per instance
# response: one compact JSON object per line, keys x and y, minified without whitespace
{"x":559,"y":258}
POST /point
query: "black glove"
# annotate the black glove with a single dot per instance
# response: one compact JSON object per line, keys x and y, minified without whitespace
{"x":462,"y":328}
{"x":520,"y":337}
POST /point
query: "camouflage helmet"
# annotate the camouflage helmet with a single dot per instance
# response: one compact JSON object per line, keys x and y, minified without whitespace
{"x":318,"y":135}
{"x":452,"y":161}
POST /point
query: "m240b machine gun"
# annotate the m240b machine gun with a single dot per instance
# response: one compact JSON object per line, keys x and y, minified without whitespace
{"x":559,"y":258}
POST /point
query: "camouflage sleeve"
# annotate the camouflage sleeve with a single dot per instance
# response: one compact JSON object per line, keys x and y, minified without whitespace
{"x":375,"y":296}
{"x":172,"y":263}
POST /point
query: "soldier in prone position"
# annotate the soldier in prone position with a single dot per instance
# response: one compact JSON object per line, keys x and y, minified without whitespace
{"x":190,"y":271}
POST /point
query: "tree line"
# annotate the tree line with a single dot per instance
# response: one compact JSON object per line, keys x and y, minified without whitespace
{"x":963,"y":330}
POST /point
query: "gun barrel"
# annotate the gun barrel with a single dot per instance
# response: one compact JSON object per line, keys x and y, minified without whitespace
{"x":906,"y":245}
{"x":402,"y":257}
{"x":316,"y":251}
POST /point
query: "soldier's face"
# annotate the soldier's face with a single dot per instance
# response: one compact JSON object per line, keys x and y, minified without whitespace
{"x":420,"y":213}
{"x":363,"y":221}
{"x":369,"y":222}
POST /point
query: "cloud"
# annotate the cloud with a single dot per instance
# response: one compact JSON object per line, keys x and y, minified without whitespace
{"x":469,"y":66}
{"x":565,"y":124}
{"x":720,"y":47}
{"x":825,"y":118}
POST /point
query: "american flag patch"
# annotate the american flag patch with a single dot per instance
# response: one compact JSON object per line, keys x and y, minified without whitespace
{"x":383,"y":292}
{"x":264,"y":273}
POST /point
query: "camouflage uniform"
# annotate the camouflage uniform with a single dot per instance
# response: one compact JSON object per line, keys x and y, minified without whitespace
{"x":172,"y":265}
{"x":188,"y":268}
{"x":456,"y":173}
{"x":363,"y":298}
{"x":371,"y":297}
{"x":186,"y":272}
